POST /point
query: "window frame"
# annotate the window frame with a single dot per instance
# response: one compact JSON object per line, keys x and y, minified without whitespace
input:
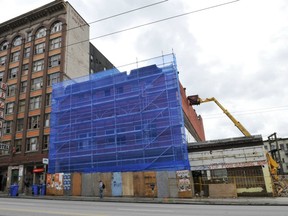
{"x":41,"y":32}
{"x":4,"y":45}
{"x":13,"y":72}
{"x":11,"y":91}
{"x":38,"y":65}
{"x":19,"y":124}
{"x":57,"y":27}
{"x":15,"y":56}
{"x":54,"y":61}
{"x":21,"y":105}
{"x":29,"y":144}
{"x":35,"y":102}
{"x":7,"y":127}
{"x":17,"y":41}
{"x":39,"y":48}
{"x":55,"y":43}
{"x":34,"y":122}
{"x":37,"y":84}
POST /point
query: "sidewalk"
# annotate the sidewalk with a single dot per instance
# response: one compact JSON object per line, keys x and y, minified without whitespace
{"x":258,"y":201}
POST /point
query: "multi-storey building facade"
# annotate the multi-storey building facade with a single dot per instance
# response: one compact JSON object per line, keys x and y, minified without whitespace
{"x":37,"y":49}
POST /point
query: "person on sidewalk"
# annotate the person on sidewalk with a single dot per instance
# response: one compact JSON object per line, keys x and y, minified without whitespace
{"x":101,"y":189}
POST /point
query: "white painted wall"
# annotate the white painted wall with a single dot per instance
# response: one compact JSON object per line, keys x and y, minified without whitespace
{"x":227,"y":158}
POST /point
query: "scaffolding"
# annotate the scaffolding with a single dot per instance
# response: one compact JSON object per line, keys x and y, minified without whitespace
{"x":117,"y":121}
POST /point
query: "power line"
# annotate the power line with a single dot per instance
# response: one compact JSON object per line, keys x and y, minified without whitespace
{"x":248,"y":112}
{"x":154,"y":22}
{"x":120,"y":14}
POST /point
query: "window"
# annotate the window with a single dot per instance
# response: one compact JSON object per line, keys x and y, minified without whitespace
{"x":40,"y":48}
{"x":32,"y":144}
{"x":56,"y":27}
{"x":29,"y":36}
{"x":15,"y":56}
{"x":17,"y":41}
{"x":3,"y":60}
{"x":46,"y":139}
{"x":13,"y":73}
{"x":1,"y":76}
{"x":53,"y":78}
{"x":36,"y":83}
{"x":38,"y":65}
{"x":11,"y":90}
{"x":5,"y":151}
{"x":9,"y":108}
{"x":27,"y":52}
{"x":34,"y":122}
{"x":7,"y":127}
{"x":35,"y":103}
{"x":48,"y":100}
{"x":120,"y":90}
{"x":23,"y":87}
{"x":107,"y":92}
{"x":55,"y":43}
{"x":47,"y":120}
{"x":4,"y":46}
{"x":54,"y":61}
{"x":18,"y":145}
{"x":20,"y":124}
{"x":21,"y":106}
{"x":25,"y":69}
{"x":41,"y":33}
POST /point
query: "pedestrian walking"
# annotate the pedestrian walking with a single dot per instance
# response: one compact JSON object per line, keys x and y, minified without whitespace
{"x":101,"y":189}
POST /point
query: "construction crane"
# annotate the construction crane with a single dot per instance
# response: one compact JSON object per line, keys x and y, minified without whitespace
{"x":195,"y":100}
{"x":272,"y":164}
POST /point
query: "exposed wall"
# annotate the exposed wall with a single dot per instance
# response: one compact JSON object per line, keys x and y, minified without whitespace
{"x":193,"y":122}
{"x":227,"y":158}
{"x":77,"y":44}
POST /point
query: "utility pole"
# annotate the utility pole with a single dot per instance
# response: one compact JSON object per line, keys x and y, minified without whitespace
{"x":275,"y":153}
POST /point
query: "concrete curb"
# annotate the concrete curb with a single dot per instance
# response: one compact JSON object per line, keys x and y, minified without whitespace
{"x":255,"y":201}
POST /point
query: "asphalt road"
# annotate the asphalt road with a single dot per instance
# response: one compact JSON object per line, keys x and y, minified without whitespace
{"x":33,"y":207}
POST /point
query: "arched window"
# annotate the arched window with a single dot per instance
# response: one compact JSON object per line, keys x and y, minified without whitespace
{"x":56,"y":27}
{"x":4,"y":45}
{"x":41,"y":33}
{"x":17,"y":41}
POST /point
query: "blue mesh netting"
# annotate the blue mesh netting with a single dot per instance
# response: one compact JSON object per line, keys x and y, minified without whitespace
{"x":113,"y":121}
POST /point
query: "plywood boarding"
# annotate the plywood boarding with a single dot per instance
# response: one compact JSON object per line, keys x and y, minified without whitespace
{"x":162,"y":184}
{"x":127,"y":184}
{"x":138,"y":183}
{"x":87,"y":184}
{"x":173,"y":186}
{"x":106,"y":179}
{"x":150,"y":184}
{"x":184,"y":183}
{"x":222,"y":191}
{"x":76,"y":184}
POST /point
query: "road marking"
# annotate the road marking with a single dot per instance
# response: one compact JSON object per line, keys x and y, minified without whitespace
{"x":144,"y":210}
{"x":51,"y":212}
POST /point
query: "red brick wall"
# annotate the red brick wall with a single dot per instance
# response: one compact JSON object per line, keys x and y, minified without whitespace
{"x":194,"y":119}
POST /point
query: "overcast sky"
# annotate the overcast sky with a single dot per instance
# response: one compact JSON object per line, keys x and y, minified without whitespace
{"x":237,"y":53}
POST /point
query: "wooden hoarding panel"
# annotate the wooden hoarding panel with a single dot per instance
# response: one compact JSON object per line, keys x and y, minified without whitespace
{"x":150,"y":184}
{"x":127,"y":184}
{"x":138,"y":183}
{"x":76,"y":184}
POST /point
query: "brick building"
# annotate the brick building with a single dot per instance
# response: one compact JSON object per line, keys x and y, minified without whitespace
{"x":38,"y":49}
